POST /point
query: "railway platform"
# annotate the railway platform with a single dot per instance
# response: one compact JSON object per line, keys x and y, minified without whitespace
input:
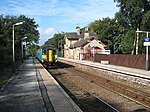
{"x":33,"y":89}
{"x":127,"y":73}
{"x":121,"y":69}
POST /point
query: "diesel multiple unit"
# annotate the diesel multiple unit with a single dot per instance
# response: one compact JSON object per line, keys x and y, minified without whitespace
{"x":47,"y":54}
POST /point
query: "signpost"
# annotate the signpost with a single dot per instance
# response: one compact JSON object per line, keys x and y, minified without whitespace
{"x":147,"y":43}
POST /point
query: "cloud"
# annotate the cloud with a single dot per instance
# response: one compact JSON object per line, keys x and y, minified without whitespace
{"x":45,"y":34}
{"x":68,"y":10}
{"x":59,"y":13}
{"x":48,"y":31}
{"x":32,"y":7}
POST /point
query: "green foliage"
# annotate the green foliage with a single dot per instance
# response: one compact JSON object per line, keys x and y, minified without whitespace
{"x":126,"y":44}
{"x":145,"y":25}
{"x":131,"y":12}
{"x":5,"y":56}
{"x":58,"y":41}
{"x":32,"y":48}
{"x":142,"y":48}
{"x":134,"y":14}
{"x":27,"y":29}
{"x":109,"y":32}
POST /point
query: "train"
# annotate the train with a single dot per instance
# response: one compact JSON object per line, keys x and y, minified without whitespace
{"x":47,"y":55}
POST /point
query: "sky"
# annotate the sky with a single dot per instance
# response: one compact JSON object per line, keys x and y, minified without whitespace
{"x":55,"y":16}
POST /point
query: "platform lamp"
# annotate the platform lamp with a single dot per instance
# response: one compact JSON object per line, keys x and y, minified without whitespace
{"x":13,"y":46}
{"x":147,"y":63}
{"x":22,"y":46}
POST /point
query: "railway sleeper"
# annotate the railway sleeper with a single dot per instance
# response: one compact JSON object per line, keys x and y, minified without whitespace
{"x":113,"y":86}
{"x":138,"y":98}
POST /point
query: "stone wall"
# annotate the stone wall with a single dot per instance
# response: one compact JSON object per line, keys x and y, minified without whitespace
{"x":108,"y":73}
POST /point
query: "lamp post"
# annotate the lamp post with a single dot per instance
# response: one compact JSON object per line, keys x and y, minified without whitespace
{"x":22,"y":46}
{"x":147,"y":64}
{"x":13,"y":46}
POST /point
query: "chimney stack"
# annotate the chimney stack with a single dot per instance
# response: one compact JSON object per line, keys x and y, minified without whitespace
{"x":86,"y":33}
{"x":78,"y":29}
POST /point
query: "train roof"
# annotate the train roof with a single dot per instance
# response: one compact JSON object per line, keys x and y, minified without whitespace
{"x":48,"y":46}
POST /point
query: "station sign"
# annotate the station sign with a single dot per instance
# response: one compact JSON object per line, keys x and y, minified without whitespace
{"x":146,"y":41}
{"x":24,"y":43}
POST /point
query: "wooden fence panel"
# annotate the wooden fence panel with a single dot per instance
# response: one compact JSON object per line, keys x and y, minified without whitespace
{"x":135,"y":61}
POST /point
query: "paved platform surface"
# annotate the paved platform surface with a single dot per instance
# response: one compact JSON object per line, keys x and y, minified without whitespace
{"x":120,"y":69}
{"x":22,"y":93}
{"x":60,"y":100}
{"x":32,"y":89}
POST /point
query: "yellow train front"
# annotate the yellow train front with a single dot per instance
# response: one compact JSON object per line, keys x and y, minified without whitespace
{"x":48,"y":55}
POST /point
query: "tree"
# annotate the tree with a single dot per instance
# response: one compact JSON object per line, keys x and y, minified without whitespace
{"x":32,"y":48}
{"x":145,"y":24}
{"x":1,"y":30}
{"x":131,"y":15}
{"x":58,"y":41}
{"x":28,"y":29}
{"x":108,"y":31}
{"x":126,"y":44}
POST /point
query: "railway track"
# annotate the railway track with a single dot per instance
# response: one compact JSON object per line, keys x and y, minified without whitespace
{"x":134,"y":94}
{"x":108,"y":107}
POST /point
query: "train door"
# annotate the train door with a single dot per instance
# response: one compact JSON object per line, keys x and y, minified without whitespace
{"x":56,"y":55}
{"x":49,"y":55}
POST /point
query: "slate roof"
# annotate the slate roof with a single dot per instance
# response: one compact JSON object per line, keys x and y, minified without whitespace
{"x":82,"y":41}
{"x":90,"y":34}
{"x":85,"y":41}
{"x":72,"y":35}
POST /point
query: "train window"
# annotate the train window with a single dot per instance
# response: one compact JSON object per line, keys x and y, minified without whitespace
{"x":54,"y":51}
{"x":44,"y":51}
